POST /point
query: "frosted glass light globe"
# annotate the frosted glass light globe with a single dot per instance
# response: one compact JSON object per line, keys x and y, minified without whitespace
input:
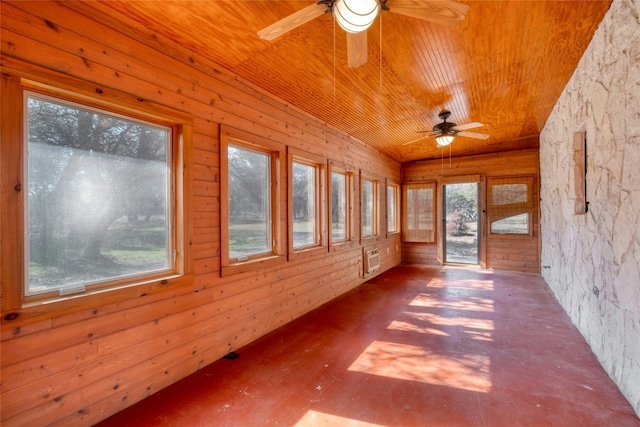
{"x":355,"y":16}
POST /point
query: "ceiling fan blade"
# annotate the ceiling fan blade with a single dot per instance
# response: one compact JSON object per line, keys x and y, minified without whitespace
{"x":474,"y":135}
{"x":444,"y":12}
{"x":356,"y":49}
{"x":467,"y":126}
{"x":416,"y":140}
{"x":292,"y":21}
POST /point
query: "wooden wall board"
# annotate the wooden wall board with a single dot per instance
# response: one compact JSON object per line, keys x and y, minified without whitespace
{"x":503,"y":253}
{"x":79,"y":366}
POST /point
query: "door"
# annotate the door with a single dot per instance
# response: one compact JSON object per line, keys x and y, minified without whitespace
{"x":461,"y":223}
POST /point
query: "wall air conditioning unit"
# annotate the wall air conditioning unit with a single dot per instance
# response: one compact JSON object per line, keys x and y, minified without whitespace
{"x":371,"y":261}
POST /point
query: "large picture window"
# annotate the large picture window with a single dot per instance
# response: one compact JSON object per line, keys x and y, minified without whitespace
{"x":93,"y":199}
{"x":99,"y":196}
{"x":419,"y":219}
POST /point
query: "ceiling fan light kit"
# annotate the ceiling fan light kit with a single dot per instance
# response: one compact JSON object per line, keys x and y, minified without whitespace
{"x":355,"y":16}
{"x":444,"y":140}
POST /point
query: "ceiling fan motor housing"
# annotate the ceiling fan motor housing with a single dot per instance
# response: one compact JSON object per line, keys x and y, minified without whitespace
{"x":445,"y":127}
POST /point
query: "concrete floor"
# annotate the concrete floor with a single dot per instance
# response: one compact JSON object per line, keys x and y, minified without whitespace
{"x":415,"y":346}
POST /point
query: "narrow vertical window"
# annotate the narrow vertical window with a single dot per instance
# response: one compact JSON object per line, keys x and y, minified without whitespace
{"x":339,"y":207}
{"x":252,"y":218}
{"x":99,"y":197}
{"x":369,"y":199}
{"x":305,"y":205}
{"x":392,"y":208}
{"x":249,"y":198}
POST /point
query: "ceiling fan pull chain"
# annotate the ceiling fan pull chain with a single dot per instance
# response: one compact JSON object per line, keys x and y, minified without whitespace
{"x":334,"y":60}
{"x":380,"y":54}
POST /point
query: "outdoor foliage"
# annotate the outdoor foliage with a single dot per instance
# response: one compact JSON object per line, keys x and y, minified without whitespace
{"x":463,"y":200}
{"x":456,"y":225}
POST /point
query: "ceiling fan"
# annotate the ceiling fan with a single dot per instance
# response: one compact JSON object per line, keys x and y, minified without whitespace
{"x":355,"y":16}
{"x":445,"y":132}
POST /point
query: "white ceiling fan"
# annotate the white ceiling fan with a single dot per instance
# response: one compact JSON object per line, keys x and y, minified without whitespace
{"x":355,"y":16}
{"x":445,"y":131}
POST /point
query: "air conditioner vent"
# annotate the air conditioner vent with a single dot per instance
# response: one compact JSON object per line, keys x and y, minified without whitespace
{"x":371,"y":261}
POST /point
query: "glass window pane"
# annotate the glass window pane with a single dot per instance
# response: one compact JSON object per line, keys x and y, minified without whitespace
{"x":516,"y":224}
{"x":510,"y":205}
{"x":304,"y":205}
{"x":98,"y":206}
{"x":367,"y":208}
{"x":392,"y":210}
{"x":249,"y":202}
{"x":338,"y":207}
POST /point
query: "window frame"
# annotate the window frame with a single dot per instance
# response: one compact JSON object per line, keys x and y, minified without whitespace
{"x":350,"y":180}
{"x":396,"y":192}
{"x":320,"y":164}
{"x":277,"y":152}
{"x":15,"y":303}
{"x":406,"y":209}
{"x":530,"y":181}
{"x":375,"y":215}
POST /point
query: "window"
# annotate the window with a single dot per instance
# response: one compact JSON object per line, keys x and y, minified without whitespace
{"x":250,"y":221}
{"x":250,"y":199}
{"x":369,"y":200}
{"x":308,"y":206}
{"x":510,"y":205}
{"x":340,"y":204}
{"x":305,"y":204}
{"x":419,"y":219}
{"x":339,"y":228}
{"x":100,"y":197}
{"x":393,"y":208}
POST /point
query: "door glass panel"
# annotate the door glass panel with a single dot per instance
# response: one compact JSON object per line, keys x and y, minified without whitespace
{"x":461,"y":223}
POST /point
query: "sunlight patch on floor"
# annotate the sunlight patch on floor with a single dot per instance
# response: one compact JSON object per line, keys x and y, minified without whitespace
{"x":468,"y":304}
{"x":315,"y":418}
{"x":427,"y":323}
{"x":398,"y":325}
{"x":407,"y":362}
{"x":464,"y":322}
{"x":472,"y":284}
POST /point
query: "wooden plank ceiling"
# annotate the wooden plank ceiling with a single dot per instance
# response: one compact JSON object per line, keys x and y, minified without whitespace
{"x":504,"y":65}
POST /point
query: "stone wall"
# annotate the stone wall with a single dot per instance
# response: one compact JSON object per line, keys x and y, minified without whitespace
{"x":591,"y":261}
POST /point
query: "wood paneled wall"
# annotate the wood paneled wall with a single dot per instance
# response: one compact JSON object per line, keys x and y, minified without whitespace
{"x":79,"y":367}
{"x":513,"y":253}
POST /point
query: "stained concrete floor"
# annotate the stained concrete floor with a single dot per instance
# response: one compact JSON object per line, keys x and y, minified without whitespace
{"x":415,"y":346}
